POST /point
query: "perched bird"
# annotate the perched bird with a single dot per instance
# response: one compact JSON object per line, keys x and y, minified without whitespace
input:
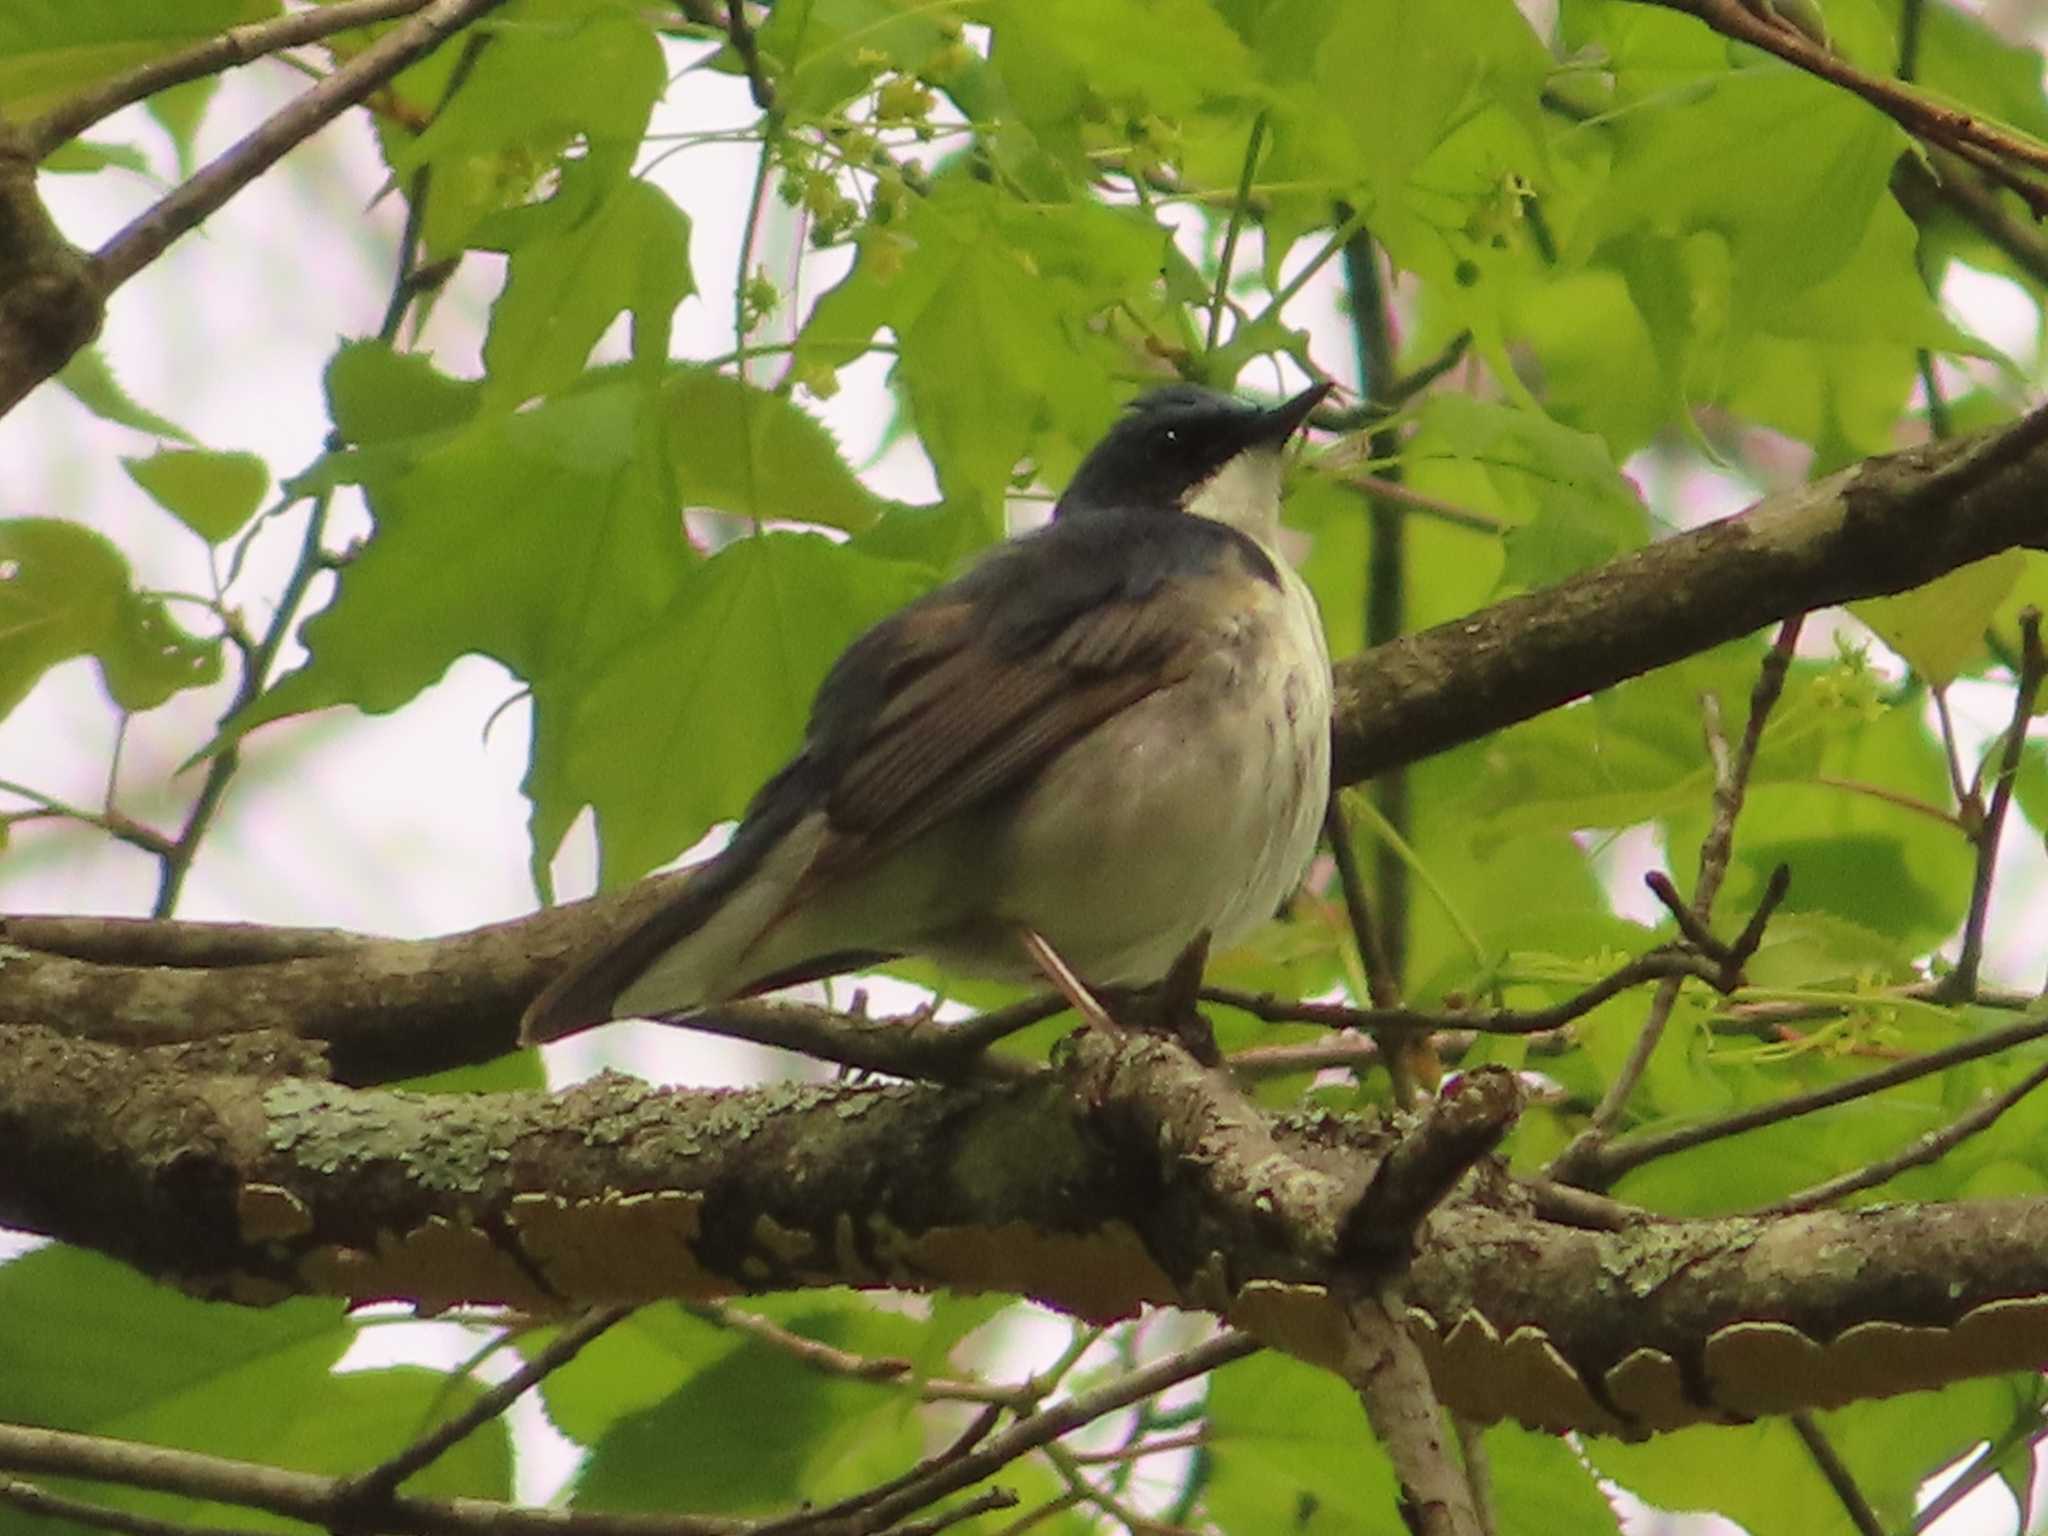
{"x":1107,"y":741}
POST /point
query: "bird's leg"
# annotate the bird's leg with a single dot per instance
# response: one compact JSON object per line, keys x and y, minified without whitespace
{"x":1063,"y":979}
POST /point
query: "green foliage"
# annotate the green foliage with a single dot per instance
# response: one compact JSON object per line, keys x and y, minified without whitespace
{"x":1676,"y":260}
{"x":65,"y":591}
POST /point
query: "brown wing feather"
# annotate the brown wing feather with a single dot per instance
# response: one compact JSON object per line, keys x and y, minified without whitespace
{"x":962,"y":723}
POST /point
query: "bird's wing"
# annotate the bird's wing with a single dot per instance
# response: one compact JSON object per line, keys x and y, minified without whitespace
{"x":962,"y":714}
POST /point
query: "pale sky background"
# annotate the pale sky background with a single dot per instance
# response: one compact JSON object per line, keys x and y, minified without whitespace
{"x":412,"y":824}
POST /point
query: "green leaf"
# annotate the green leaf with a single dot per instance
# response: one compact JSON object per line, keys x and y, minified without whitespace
{"x":571,"y":273}
{"x":50,"y":49}
{"x":1542,"y":1485}
{"x":821,"y":53}
{"x":91,"y":382}
{"x":1890,"y":1448}
{"x":1291,"y":1452}
{"x":1939,"y":627}
{"x":376,"y":395}
{"x":756,"y":454}
{"x":93,"y":1347}
{"x":1568,"y":505}
{"x":64,"y":592}
{"x":1402,"y":77}
{"x":652,"y":742}
{"x":211,"y":493}
{"x":84,"y":156}
{"x":999,"y":312}
{"x":755,"y":1429}
{"x":2030,"y":784}
{"x":180,"y":110}
{"x":557,"y":72}
{"x":480,"y":539}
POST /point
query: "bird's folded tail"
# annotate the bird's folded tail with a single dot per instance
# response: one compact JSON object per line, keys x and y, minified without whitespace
{"x":692,"y":950}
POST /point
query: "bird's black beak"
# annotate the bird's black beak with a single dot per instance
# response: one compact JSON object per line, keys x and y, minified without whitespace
{"x":1285,"y":419}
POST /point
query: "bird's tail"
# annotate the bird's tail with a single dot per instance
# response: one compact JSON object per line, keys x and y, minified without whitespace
{"x":693,"y":949}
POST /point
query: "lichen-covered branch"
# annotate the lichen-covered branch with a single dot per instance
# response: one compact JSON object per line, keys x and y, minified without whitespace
{"x":256,"y":1180}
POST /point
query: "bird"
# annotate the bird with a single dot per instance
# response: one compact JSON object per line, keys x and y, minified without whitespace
{"x":1107,"y":742}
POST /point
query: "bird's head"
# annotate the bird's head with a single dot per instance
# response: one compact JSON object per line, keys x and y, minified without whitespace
{"x":1192,"y":450}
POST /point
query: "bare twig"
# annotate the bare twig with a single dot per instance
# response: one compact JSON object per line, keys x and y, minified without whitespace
{"x":1233,"y":228}
{"x":1656,"y":965}
{"x":1380,"y":982}
{"x":1731,"y":784}
{"x":1982,"y":1468}
{"x":977,"y":1430}
{"x":741,"y":35}
{"x":1394,"y":492}
{"x":1616,"y":1158}
{"x":814,"y":1353}
{"x":1962,"y":188}
{"x":31,"y":1500}
{"x":1478,"y":1472}
{"x":111,"y":822}
{"x":1068,"y":1466}
{"x":366,"y":1494}
{"x":1044,"y":1427}
{"x":176,"y":864}
{"x":1985,"y":144}
{"x":1929,"y":1148}
{"x":1831,"y":1466}
{"x":237,"y":45}
{"x":1386,"y":571}
{"x":308,"y":1496}
{"x":148,"y":236}
{"x":1962,"y":981}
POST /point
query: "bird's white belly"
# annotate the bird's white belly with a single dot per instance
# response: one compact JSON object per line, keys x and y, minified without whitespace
{"x":1195,"y":809}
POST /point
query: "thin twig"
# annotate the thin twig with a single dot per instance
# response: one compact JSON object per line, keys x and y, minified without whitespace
{"x":1380,"y":983}
{"x":1070,"y":1472}
{"x":1731,"y":784}
{"x":177,"y":863}
{"x":1380,"y":488}
{"x":741,"y":35}
{"x":148,"y":236}
{"x":32,"y":1500}
{"x":366,"y":1493}
{"x":1962,"y":981}
{"x":1984,"y":143}
{"x":1046,"y":1426}
{"x":814,"y":1353}
{"x":1618,"y":1157}
{"x":1478,"y":1472}
{"x":110,"y":821}
{"x":1233,"y":228}
{"x":1929,"y":1148}
{"x":1386,"y":573}
{"x":1981,"y":1469}
{"x":1658,"y":964}
{"x":1838,"y":1476}
{"x":237,"y":45}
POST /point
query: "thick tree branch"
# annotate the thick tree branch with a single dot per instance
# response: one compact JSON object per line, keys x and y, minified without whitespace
{"x":254,"y":1185}
{"x":1882,"y":526}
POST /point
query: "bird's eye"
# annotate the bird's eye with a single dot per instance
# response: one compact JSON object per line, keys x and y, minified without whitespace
{"x":1170,"y":438}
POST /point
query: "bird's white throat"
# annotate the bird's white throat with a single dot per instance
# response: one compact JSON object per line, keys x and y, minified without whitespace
{"x":1244,"y":494}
